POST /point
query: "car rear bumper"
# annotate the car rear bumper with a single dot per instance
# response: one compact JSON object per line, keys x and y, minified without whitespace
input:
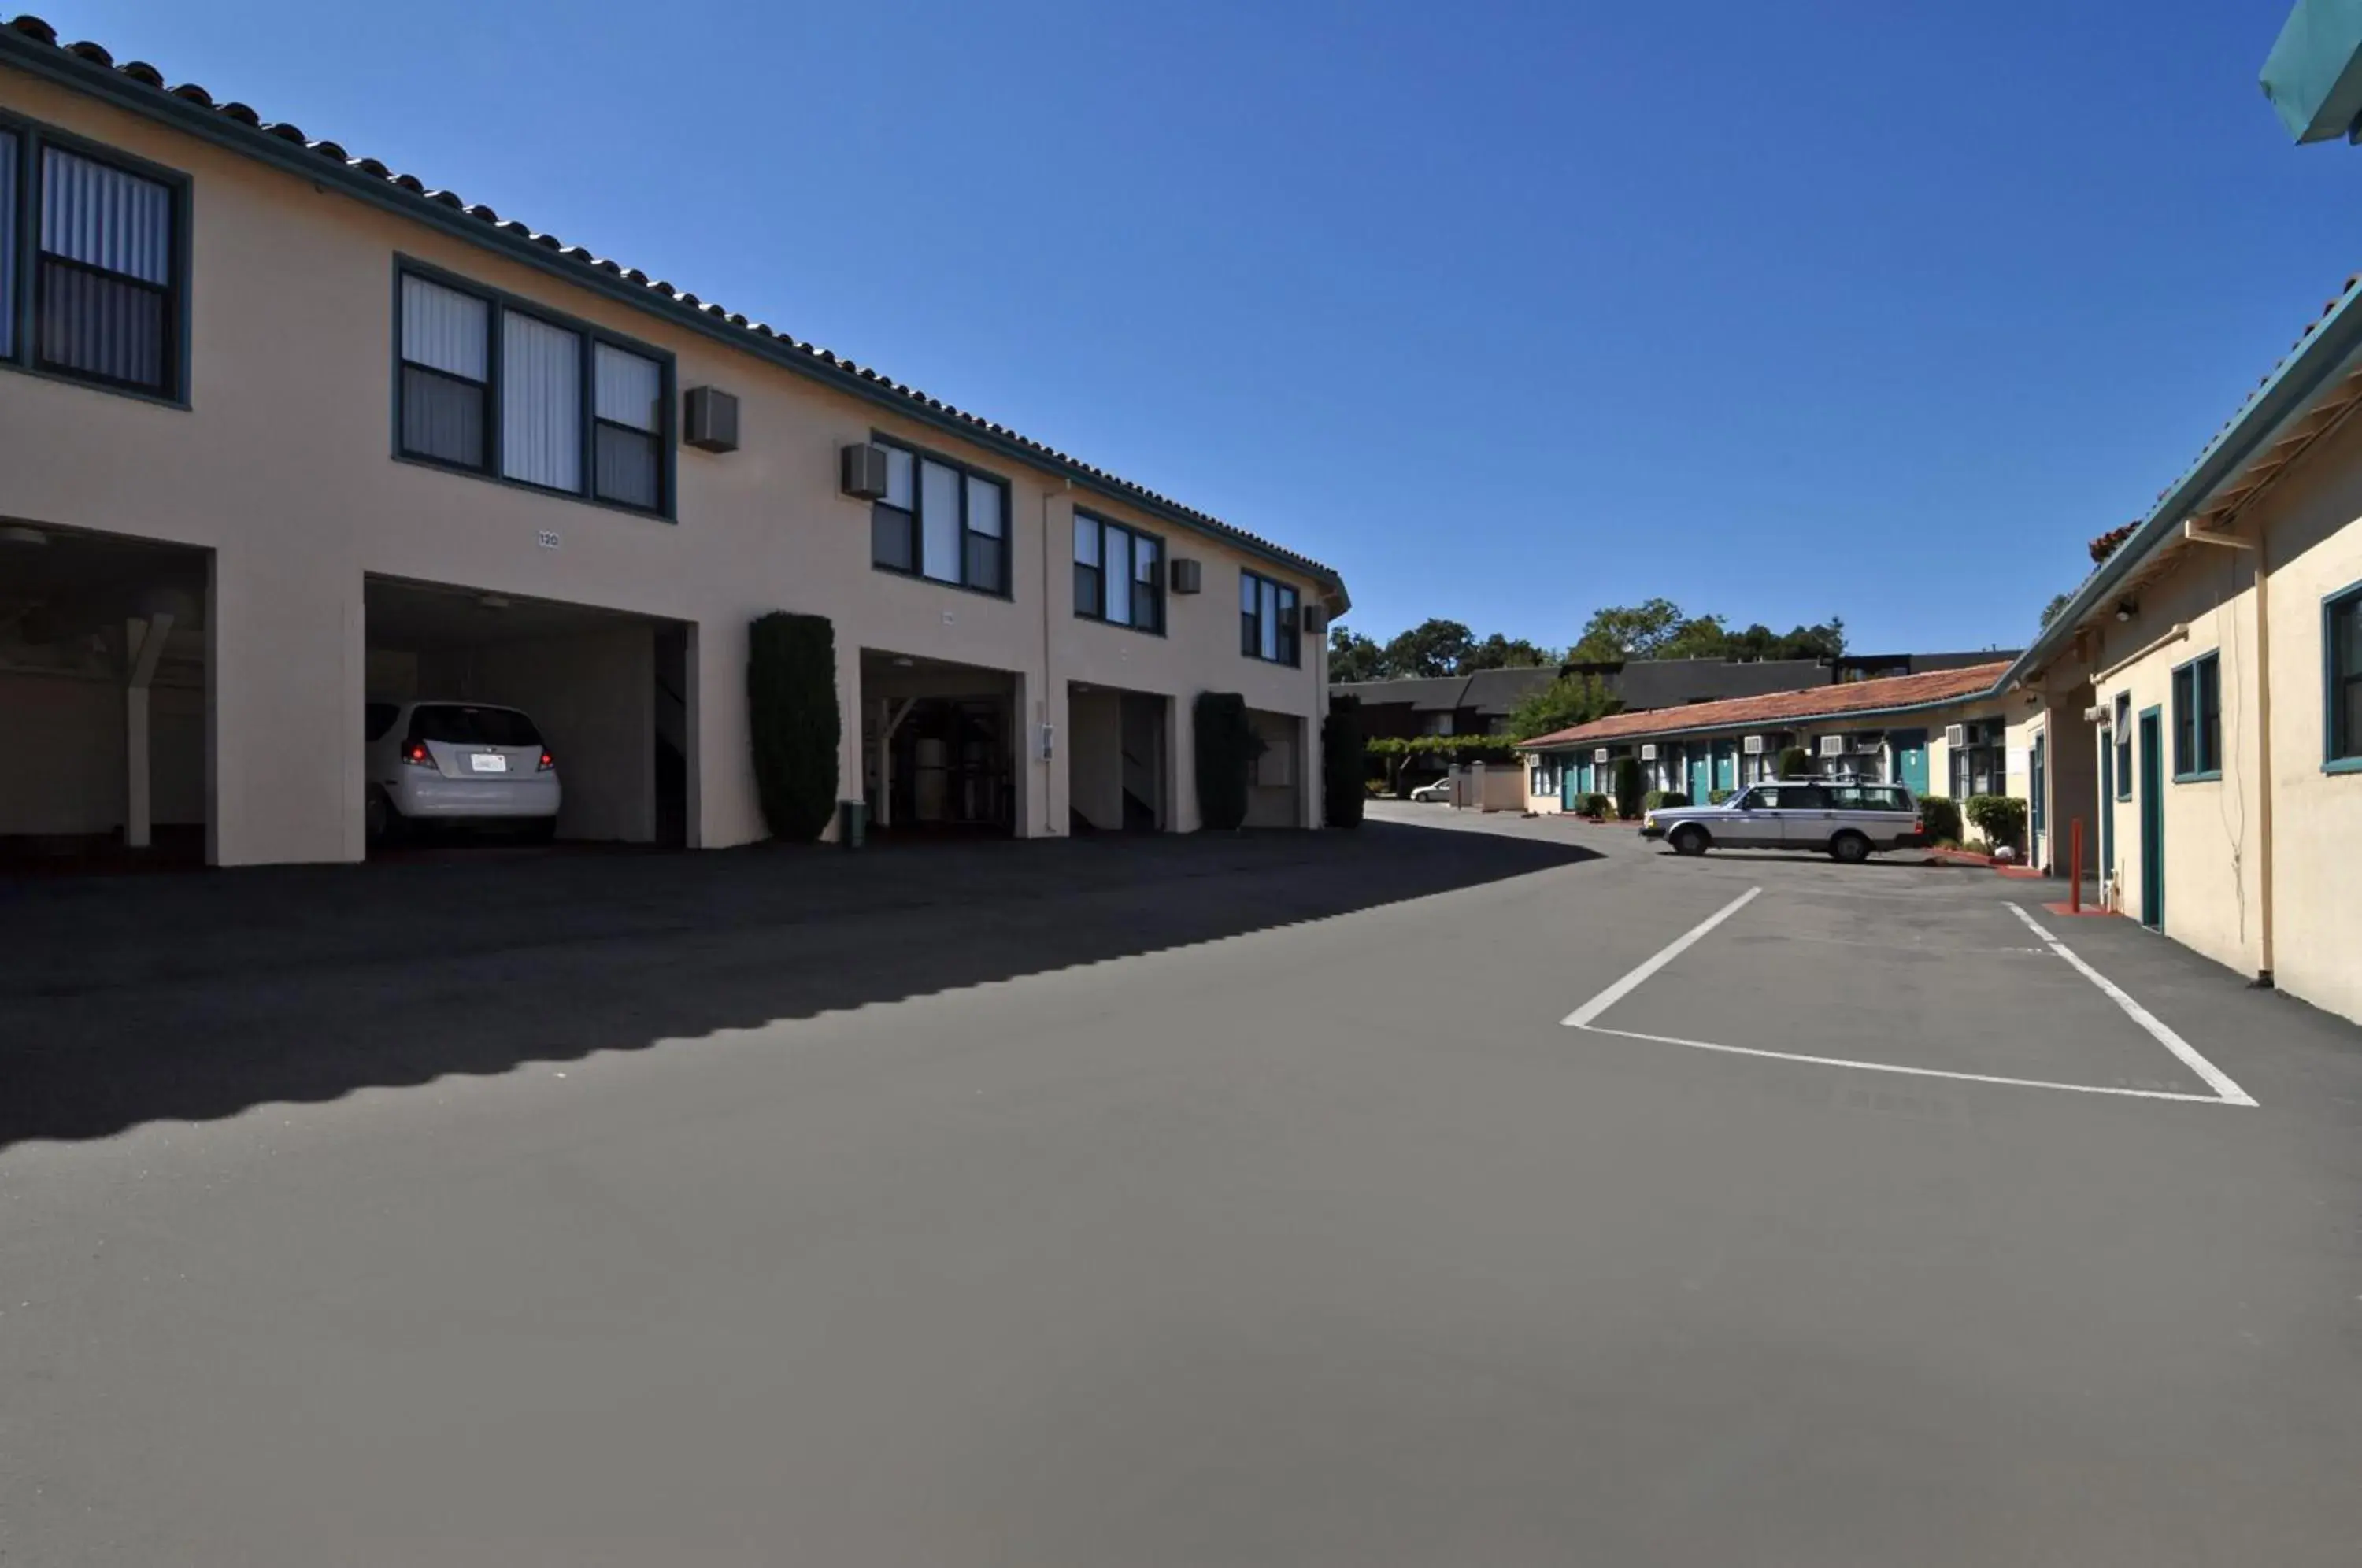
{"x":432,"y":797}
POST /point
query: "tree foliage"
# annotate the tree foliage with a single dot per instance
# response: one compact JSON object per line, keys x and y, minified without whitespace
{"x":1352,"y":656}
{"x":2059,"y":602}
{"x":1569,"y":700}
{"x":1433,"y":647}
{"x":1498,"y":652}
{"x":1659,"y":628}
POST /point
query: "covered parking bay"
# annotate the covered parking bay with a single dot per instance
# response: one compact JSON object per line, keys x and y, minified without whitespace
{"x":1118,"y":777}
{"x":938,"y":745}
{"x":608,"y":692}
{"x":104,"y":660}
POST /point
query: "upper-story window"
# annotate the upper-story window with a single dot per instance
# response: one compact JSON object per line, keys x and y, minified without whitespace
{"x":2342,"y":643}
{"x":1118,"y":574}
{"x":92,"y":276}
{"x":1269,"y":621}
{"x":499,"y":388}
{"x":941,"y":520}
{"x":2198,"y":718}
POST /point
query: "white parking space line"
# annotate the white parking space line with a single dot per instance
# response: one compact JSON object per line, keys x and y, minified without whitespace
{"x":1580,"y":1017}
{"x":2219,"y":1081}
{"x":1918,"y":1072}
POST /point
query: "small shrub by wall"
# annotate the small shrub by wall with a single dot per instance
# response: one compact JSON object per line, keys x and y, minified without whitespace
{"x":1716,"y":796}
{"x":2000,"y":818}
{"x":1940,"y":815}
{"x":1656,"y":798}
{"x":1341,"y":758}
{"x":1226,"y":748}
{"x":1597,"y":805}
{"x":1796,"y":762}
{"x":792,"y":714}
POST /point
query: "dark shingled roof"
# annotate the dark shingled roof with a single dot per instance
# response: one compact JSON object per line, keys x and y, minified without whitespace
{"x":28,"y":40}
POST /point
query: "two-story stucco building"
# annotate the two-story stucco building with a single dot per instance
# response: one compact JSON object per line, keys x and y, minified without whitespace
{"x":283,"y":432}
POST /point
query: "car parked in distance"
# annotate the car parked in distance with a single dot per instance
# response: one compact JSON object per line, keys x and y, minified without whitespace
{"x":461,"y":764}
{"x":1438,"y":792}
{"x":1837,"y":817}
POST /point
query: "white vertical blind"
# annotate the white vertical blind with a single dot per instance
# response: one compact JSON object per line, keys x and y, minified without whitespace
{"x":444,"y":330}
{"x":1086,"y":540}
{"x":1270,"y":620}
{"x":104,"y":217}
{"x":984,"y":507}
{"x":900,"y":484}
{"x":541,"y":403}
{"x":629,"y":388}
{"x":8,"y":244}
{"x":1119,"y":577}
{"x":939,"y":522}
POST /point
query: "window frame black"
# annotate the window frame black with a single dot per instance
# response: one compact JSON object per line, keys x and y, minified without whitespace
{"x":1289,"y":642}
{"x":24,"y":355}
{"x":499,"y":304}
{"x":2346,"y":601}
{"x":2193,"y":763}
{"x":917,"y":570}
{"x":1164,"y":556}
{"x":2121,"y":722}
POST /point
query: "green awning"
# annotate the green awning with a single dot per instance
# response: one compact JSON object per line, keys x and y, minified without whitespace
{"x":2313,"y":75}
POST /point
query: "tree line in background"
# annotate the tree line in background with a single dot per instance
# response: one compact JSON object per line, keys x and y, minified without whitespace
{"x":1655,"y":629}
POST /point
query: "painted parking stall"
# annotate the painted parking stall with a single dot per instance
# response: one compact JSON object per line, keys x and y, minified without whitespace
{"x":1890,"y":980}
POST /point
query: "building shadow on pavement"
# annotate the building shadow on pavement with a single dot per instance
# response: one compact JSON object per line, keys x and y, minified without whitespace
{"x":134,"y":1000}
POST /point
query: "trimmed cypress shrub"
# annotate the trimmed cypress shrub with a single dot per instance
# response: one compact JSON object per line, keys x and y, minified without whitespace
{"x":1628,"y":787}
{"x":1796,"y":762}
{"x":792,"y":711}
{"x":1226,"y":748}
{"x":1940,"y":815}
{"x":1341,"y":764}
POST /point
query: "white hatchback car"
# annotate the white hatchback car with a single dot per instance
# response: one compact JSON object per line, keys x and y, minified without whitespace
{"x":457,"y":763}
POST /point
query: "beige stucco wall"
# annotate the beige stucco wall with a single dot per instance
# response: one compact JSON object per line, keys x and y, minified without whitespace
{"x":281,"y":468}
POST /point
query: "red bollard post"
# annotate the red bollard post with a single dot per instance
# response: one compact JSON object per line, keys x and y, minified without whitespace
{"x":2075,"y":850}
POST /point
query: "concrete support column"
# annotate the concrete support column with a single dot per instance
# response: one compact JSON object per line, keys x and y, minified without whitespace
{"x":285,"y":663}
{"x":1181,"y":750}
{"x":143,"y":646}
{"x":1044,"y":792}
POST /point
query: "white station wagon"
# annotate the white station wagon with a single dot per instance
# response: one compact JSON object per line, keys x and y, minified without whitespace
{"x":1835,"y":817}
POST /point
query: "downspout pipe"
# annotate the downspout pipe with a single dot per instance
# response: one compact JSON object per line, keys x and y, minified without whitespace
{"x":2263,"y":581}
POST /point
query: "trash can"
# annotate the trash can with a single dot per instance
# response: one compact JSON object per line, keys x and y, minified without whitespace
{"x":853,"y":823}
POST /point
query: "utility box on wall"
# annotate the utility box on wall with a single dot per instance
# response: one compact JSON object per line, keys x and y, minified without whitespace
{"x":710,"y":420}
{"x":861,"y":472}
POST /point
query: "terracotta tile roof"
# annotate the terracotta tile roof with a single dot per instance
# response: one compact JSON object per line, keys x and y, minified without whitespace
{"x":1787,"y":707}
{"x":661,"y":296}
{"x":2105,"y":544}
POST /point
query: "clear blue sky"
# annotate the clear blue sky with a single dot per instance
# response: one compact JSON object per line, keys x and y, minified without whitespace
{"x":1507,"y":311}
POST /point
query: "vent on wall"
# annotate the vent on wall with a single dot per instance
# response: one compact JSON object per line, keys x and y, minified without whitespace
{"x":1833,"y":745}
{"x":710,"y":421}
{"x":861,"y":471}
{"x":1648,"y":751}
{"x":1752,"y":746}
{"x":1956,"y":734}
{"x":1189,"y":576}
{"x":1314,"y":618}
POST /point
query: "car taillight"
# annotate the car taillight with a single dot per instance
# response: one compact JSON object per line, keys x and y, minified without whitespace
{"x":1919,"y":824}
{"x":547,"y":762}
{"x":416,"y":754}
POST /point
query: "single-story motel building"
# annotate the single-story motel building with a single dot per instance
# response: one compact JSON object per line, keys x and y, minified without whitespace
{"x":285,"y":433}
{"x":1947,"y":732}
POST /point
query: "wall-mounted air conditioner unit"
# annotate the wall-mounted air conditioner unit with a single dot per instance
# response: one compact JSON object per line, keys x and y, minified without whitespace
{"x":1189,"y":576}
{"x":710,"y":420}
{"x":1313,"y":619}
{"x":1752,"y":746}
{"x":1956,"y":734}
{"x":1648,"y":751}
{"x":1833,"y":745}
{"x":861,"y":472}
{"x":1599,"y":756}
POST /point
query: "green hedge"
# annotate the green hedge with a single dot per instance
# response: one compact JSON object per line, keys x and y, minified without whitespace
{"x":1940,"y":815}
{"x":1342,"y":762}
{"x":1796,"y":762}
{"x":1594,"y":805}
{"x":1226,"y":748}
{"x":1656,"y":798}
{"x":1716,"y":796}
{"x":791,"y":711}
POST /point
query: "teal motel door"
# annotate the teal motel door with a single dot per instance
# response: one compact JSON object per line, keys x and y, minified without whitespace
{"x":1566,"y":784}
{"x":1701,"y":776}
{"x":1726,"y":764}
{"x":2152,"y":818}
{"x":1910,"y":759}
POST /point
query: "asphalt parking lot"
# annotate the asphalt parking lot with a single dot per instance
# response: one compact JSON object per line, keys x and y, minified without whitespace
{"x":1247,"y":1200}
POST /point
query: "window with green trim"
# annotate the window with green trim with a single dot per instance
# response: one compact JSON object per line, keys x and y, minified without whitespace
{"x":1270,"y":622}
{"x":2123,"y":737}
{"x":2342,"y":643}
{"x":941,"y":520}
{"x":2198,"y":718}
{"x":1118,"y":574}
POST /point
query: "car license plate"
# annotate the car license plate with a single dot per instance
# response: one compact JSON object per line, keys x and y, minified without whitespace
{"x":489,"y":762}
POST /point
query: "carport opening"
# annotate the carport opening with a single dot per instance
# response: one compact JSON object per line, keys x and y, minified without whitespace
{"x":938,"y":746}
{"x":1276,"y":796}
{"x":104,"y":651}
{"x":604,"y":693}
{"x":1118,"y":779}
